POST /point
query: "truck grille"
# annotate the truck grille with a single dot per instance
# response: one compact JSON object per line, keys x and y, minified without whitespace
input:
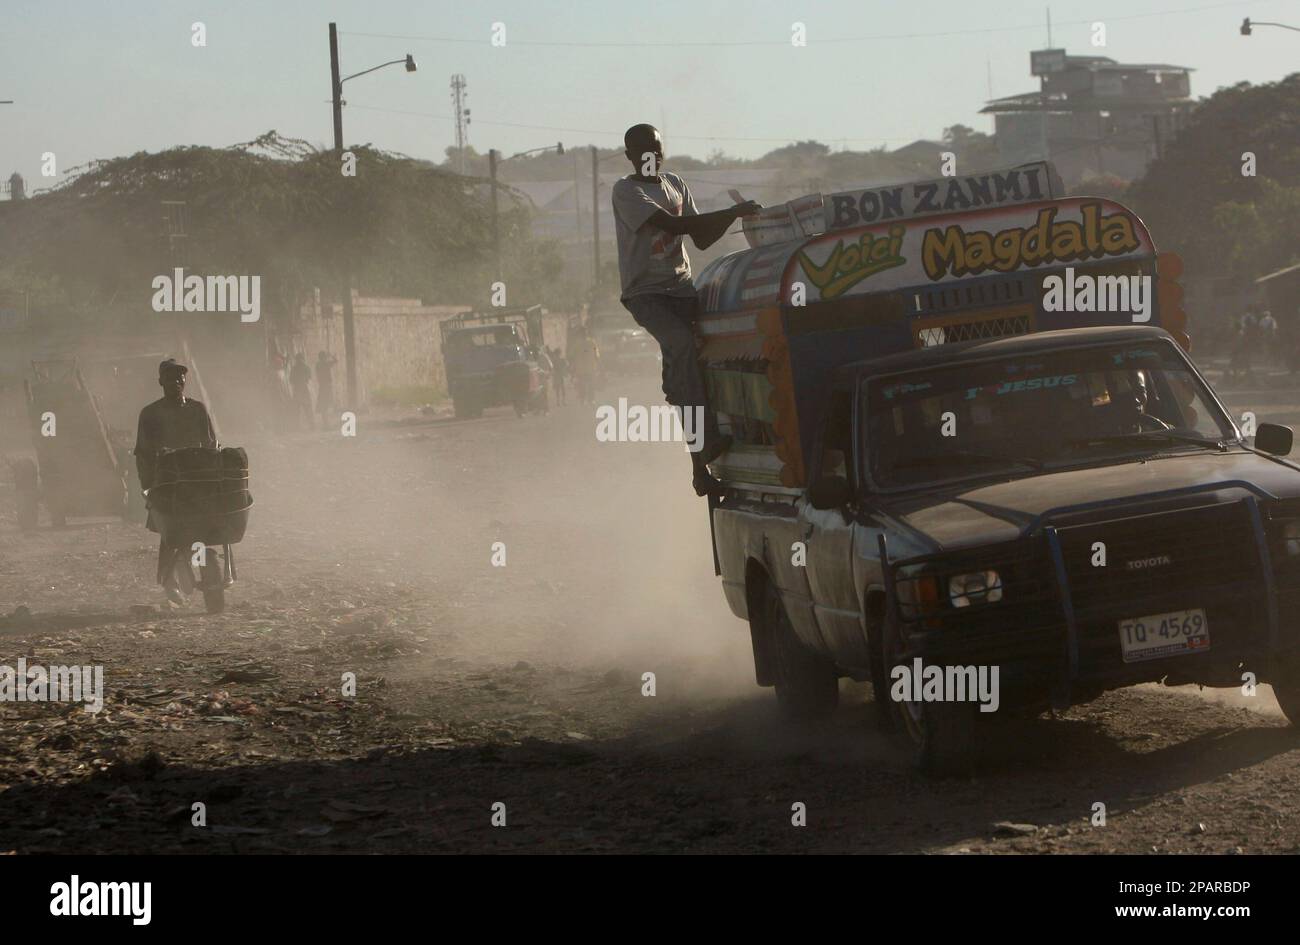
{"x":1150,"y":558}
{"x":1191,"y":558}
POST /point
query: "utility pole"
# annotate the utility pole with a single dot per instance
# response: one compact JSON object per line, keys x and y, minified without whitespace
{"x":349,"y":326}
{"x":577,"y":207}
{"x":1155,"y":134}
{"x":1100,"y":165}
{"x":595,"y":213}
{"x":496,"y":226}
{"x":336,"y":97}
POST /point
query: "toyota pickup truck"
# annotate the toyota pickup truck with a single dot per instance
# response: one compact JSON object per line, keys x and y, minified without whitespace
{"x":980,"y":503}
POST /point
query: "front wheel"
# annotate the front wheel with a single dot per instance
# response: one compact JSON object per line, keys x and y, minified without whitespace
{"x":939,"y":736}
{"x":807,"y":686}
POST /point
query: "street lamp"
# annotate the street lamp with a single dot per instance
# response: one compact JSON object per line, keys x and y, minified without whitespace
{"x":1247,"y":25}
{"x":336,"y":96}
{"x":494,"y":158}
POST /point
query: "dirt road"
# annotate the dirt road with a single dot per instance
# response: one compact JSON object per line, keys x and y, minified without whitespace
{"x":521,"y":685}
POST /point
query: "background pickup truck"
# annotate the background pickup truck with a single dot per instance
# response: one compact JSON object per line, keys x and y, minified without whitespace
{"x":1073,"y":508}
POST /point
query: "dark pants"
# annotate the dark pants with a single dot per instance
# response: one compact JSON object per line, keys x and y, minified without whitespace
{"x":671,"y":321}
{"x":167,"y":563}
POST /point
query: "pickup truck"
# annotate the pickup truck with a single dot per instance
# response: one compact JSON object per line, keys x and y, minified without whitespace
{"x":492,"y":359}
{"x":978,"y":516}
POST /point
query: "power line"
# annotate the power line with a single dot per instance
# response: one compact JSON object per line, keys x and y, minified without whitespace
{"x":569,"y":44}
{"x":615,"y":134}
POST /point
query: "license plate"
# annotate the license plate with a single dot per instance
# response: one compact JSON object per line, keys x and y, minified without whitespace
{"x":1160,"y":635}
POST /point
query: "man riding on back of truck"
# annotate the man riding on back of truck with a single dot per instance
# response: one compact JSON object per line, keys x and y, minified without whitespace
{"x":653,"y":211}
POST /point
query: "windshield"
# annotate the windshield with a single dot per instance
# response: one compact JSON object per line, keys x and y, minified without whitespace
{"x":1021,"y":414}
{"x":487,"y":337}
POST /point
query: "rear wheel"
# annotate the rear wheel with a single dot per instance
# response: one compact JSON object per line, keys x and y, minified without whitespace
{"x":939,"y":736}
{"x":807,"y":686}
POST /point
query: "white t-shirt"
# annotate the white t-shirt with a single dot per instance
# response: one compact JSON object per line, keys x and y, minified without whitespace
{"x":651,"y":260}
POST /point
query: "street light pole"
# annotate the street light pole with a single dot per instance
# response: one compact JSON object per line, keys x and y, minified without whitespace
{"x":336,"y":97}
{"x":349,"y":323}
{"x":494,"y":158}
{"x":595,"y":214}
{"x":1248,"y":24}
{"x":496,"y":225}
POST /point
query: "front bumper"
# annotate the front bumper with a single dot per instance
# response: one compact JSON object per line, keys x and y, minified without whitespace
{"x":1055,"y":635}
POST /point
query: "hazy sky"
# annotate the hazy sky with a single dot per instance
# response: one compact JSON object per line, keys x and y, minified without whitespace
{"x":95,"y":79}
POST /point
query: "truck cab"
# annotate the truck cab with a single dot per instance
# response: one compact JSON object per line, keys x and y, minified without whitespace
{"x":984,"y":513}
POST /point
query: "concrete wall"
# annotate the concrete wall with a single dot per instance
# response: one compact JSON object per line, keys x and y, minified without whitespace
{"x":399,"y":343}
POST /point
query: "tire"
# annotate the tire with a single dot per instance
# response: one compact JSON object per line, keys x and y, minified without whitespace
{"x":29,"y":494}
{"x":940,"y":737}
{"x":807,"y":686}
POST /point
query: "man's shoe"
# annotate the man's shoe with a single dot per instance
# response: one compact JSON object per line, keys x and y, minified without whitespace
{"x":174,"y":595}
{"x":720,"y":445}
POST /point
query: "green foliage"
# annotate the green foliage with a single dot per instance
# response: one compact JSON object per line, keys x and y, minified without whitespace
{"x":274,"y":207}
{"x":1264,"y":234}
{"x":1195,"y":198}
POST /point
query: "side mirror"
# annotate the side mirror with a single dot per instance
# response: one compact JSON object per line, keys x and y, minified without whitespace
{"x":1273,"y":438}
{"x":833,"y":492}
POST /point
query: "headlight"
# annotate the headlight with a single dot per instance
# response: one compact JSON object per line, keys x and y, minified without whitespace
{"x":977,"y":588}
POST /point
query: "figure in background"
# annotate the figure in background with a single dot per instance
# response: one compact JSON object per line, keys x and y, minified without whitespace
{"x":584,"y":359}
{"x":300,"y":382}
{"x":325,"y":387}
{"x":1268,"y":336}
{"x":561,"y":368}
{"x":278,"y":392}
{"x":172,"y":422}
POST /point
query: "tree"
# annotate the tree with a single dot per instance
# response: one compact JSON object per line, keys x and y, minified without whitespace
{"x":275,"y":207}
{"x":1204,"y":169}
